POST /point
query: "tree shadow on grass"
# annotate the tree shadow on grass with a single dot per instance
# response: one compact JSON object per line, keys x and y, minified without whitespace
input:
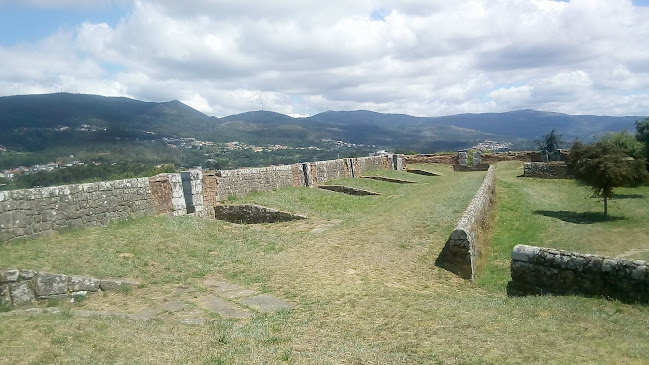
{"x":578,"y":218}
{"x":629,"y":196}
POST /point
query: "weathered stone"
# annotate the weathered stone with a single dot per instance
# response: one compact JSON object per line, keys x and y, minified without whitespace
{"x":114,"y":284}
{"x":525,"y":253}
{"x":27,"y":274}
{"x":9,"y":275}
{"x":5,"y":297}
{"x":46,"y":284}
{"x":21,"y":293}
{"x":225,"y":308}
{"x":267,"y":303}
{"x":83,"y":283}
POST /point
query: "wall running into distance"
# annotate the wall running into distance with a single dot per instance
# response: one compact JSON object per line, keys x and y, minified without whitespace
{"x":30,"y":212}
{"x":460,"y":254}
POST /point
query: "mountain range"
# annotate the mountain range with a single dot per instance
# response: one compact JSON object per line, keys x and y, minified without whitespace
{"x":30,"y":122}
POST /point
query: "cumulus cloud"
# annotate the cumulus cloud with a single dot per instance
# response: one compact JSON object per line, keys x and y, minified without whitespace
{"x":416,"y":57}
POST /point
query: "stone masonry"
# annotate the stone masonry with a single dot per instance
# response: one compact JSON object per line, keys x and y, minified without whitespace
{"x":460,"y":254}
{"x":25,"y":287}
{"x":546,"y":170}
{"x":43,"y":210}
{"x":537,"y":270}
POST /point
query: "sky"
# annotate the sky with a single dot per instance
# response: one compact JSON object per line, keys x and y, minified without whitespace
{"x":302,"y":57}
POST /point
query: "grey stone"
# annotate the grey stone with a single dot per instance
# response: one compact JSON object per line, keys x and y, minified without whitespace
{"x":47,"y":284}
{"x":9,"y":275}
{"x":5,"y":297}
{"x":193,"y":321}
{"x":146,"y":314}
{"x":225,"y":308}
{"x":267,"y":303}
{"x":174,"y":306}
{"x":83,"y":283}
{"x":27,"y":274}
{"x":114,"y":284}
{"x":21,"y":293}
{"x":239,"y":293}
{"x":525,"y":253}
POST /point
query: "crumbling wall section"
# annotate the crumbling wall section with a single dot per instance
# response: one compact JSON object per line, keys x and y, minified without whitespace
{"x":546,"y":170}
{"x":537,"y":270}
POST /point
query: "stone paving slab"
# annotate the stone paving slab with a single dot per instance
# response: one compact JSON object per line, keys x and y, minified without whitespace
{"x":267,"y":303}
{"x":225,"y":308}
{"x":239,"y":293}
{"x":175,"y":306}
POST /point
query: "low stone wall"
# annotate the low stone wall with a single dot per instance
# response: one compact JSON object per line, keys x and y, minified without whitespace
{"x":251,"y":214}
{"x":546,"y":170}
{"x":389,"y":179}
{"x":445,"y":158}
{"x":467,"y":168}
{"x":42,"y":210}
{"x":25,"y":287}
{"x":460,"y":254}
{"x":421,"y":172}
{"x":537,"y":270}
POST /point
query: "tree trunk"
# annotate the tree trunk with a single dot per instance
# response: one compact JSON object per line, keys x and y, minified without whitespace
{"x":605,"y":206}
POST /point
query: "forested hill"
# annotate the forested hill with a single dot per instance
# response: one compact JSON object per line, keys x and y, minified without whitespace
{"x":32,"y":122}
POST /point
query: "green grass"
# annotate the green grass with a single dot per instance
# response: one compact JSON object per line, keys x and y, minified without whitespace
{"x":360,"y":271}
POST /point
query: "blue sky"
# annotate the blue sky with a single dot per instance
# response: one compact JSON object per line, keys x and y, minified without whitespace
{"x":420,"y":57}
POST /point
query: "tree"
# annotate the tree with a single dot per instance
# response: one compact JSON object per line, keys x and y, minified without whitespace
{"x":550,"y":141}
{"x":642,"y":134}
{"x":604,"y":166}
{"x":632,"y":146}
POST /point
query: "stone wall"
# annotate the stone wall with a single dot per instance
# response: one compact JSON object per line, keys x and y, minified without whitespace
{"x":537,"y":270}
{"x":42,"y":210}
{"x":443,"y":158}
{"x":244,"y":181}
{"x":546,"y":170}
{"x":461,"y":253}
{"x":25,"y":287}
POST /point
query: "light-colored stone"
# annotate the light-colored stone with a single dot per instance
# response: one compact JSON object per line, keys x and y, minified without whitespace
{"x":225,"y":308}
{"x":9,"y":275}
{"x":525,"y":253}
{"x":21,"y":293}
{"x":267,"y":303}
{"x":114,"y":284}
{"x":46,"y":284}
{"x":27,"y":274}
{"x":83,"y":283}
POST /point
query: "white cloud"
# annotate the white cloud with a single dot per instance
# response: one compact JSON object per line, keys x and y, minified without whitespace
{"x":422,"y":57}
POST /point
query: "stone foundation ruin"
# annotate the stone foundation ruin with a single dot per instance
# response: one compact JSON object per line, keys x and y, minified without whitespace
{"x":347,"y":190}
{"x":537,"y":270}
{"x":251,"y":214}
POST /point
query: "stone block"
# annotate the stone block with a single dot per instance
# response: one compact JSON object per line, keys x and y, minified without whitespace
{"x":21,"y":293}
{"x":114,"y":284}
{"x":27,"y":274}
{"x":5,"y":297}
{"x":525,"y":253}
{"x":47,"y":284}
{"x":9,"y":275}
{"x":83,"y":283}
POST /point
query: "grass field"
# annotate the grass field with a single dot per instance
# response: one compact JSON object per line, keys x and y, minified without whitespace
{"x":360,"y":271}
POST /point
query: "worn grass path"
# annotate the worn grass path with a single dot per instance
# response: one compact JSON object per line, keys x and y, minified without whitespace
{"x":360,"y":271}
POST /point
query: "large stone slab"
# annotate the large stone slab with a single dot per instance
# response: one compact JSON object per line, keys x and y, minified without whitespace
{"x":8,"y":275}
{"x":389,"y":179}
{"x":225,"y":308}
{"x":83,"y":283}
{"x":114,"y":284}
{"x":21,"y":293}
{"x":47,"y":284}
{"x":267,"y":303}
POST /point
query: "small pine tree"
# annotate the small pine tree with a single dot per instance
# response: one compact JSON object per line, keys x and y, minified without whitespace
{"x":604,"y":166}
{"x":550,"y":141}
